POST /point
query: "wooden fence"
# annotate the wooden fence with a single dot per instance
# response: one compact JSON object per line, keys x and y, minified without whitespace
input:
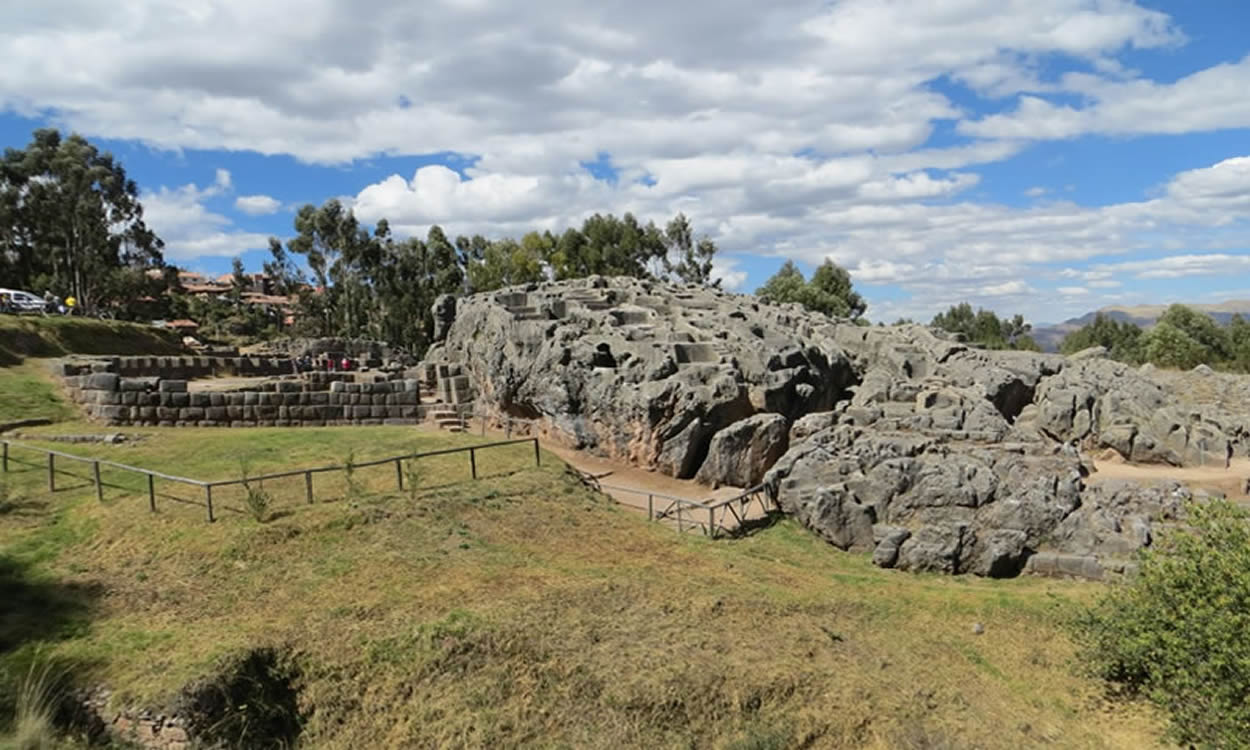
{"x":207,"y":486}
{"x":709,"y":516}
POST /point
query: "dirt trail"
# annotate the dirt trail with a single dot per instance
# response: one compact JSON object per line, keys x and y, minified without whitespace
{"x":1230,"y":481}
{"x":617,"y":474}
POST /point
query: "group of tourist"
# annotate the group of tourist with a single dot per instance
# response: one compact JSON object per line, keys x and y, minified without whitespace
{"x":331,"y":363}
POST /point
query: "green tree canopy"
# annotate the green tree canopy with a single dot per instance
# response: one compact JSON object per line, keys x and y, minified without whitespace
{"x":984,"y":328}
{"x":829,"y":291}
{"x":1166,"y":345}
{"x":1122,"y":339}
{"x":71,"y":222}
{"x":694,"y":257}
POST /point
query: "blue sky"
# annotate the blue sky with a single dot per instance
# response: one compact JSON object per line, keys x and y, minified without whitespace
{"x":1039,"y":156}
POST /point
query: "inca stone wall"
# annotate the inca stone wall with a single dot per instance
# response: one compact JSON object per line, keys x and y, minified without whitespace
{"x":312,"y":399}
{"x":179,"y":368}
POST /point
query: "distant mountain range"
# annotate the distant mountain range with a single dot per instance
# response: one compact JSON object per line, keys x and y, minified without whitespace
{"x":1049,"y":337}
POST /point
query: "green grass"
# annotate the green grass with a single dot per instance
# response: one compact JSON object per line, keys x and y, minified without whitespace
{"x":27,"y":391}
{"x":36,"y":336}
{"x":521,"y":610}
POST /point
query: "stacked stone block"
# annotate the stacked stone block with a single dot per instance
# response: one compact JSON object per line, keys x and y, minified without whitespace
{"x":118,"y":400}
{"x":181,"y":368}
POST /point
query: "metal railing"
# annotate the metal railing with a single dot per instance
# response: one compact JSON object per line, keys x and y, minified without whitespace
{"x":208,"y":486}
{"x":712,"y":517}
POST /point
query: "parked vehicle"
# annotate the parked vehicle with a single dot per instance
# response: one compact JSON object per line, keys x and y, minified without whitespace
{"x":15,"y":300}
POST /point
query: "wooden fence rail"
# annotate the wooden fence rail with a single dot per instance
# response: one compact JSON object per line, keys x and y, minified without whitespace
{"x":208,"y":486}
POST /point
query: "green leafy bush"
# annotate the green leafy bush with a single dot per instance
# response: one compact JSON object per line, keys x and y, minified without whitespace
{"x":1177,"y":633}
{"x":257,"y":500}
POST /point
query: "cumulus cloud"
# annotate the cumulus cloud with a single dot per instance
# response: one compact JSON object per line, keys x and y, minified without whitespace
{"x":1206,"y":100}
{"x":788,"y":129}
{"x":190,"y":230}
{"x":257,"y":205}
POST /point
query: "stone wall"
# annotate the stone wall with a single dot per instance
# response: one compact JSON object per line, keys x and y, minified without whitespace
{"x":180,"y":368}
{"x":118,"y":400}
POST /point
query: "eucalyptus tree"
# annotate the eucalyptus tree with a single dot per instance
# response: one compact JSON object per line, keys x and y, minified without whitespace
{"x":71,"y":222}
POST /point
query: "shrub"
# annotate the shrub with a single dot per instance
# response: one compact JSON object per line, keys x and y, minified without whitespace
{"x":349,"y":474}
{"x":257,"y":501}
{"x":1176,"y":634}
{"x":413,"y":475}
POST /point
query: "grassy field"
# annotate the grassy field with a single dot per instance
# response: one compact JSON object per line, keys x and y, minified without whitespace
{"x":27,"y":391}
{"x":36,"y":336}
{"x":516,"y":610}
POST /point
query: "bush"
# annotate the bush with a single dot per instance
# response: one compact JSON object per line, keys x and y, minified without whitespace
{"x":354,"y":489}
{"x":1176,"y":634}
{"x":414,"y":475}
{"x":258,"y":501}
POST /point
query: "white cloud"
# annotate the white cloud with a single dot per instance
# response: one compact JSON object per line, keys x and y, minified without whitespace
{"x":1210,"y":99}
{"x":725,"y":269}
{"x":538,"y":85}
{"x":257,"y":205}
{"x":785,"y":129}
{"x":190,"y":230}
{"x":1072,"y":291}
{"x":1180,"y":266}
{"x":1036,"y":192}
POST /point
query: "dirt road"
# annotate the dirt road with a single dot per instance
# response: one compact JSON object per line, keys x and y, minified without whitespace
{"x":1231,"y":481}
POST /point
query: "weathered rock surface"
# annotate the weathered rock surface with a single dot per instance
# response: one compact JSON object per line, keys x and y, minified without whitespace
{"x":647,"y":372}
{"x":740,"y":453}
{"x":901,"y":440}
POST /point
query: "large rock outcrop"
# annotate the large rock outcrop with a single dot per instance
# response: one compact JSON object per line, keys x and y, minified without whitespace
{"x":931,"y":504}
{"x":646,"y":372}
{"x":901,"y":440}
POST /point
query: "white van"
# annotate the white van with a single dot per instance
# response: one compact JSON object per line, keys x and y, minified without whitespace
{"x":22,"y":302}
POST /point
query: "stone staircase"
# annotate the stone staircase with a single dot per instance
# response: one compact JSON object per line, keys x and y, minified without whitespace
{"x":447,"y":420}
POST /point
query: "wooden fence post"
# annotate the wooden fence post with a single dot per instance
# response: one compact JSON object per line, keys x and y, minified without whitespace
{"x":473,"y":462}
{"x":6,"y":456}
{"x":650,"y":507}
{"x":399,"y":472}
{"x":538,"y":461}
{"x":151,"y":493}
{"x":308,"y":486}
{"x":711,"y":523}
{"x":208,"y":496}
{"x":99,"y":488}
{"x":51,"y":472}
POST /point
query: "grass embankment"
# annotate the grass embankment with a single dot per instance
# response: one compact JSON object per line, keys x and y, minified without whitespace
{"x":521,"y":610}
{"x":27,"y":391}
{"x":35,"y":336}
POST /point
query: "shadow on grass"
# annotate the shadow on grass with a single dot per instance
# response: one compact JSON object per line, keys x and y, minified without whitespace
{"x":23,"y":508}
{"x":756,"y":525}
{"x":39,"y":610}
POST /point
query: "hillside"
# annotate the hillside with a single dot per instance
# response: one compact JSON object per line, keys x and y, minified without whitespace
{"x":35,"y":336}
{"x":1049,"y":337}
{"x":517,"y":610}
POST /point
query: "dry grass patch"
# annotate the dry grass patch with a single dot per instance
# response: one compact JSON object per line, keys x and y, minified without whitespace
{"x":520,"y":610}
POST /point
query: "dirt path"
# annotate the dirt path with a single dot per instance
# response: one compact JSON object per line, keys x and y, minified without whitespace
{"x":1230,"y":481}
{"x":630,"y":485}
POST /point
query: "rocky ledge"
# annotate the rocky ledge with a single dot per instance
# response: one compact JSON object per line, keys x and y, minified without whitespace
{"x":933,"y":454}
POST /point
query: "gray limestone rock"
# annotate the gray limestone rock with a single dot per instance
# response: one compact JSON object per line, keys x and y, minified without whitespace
{"x":741,"y":453}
